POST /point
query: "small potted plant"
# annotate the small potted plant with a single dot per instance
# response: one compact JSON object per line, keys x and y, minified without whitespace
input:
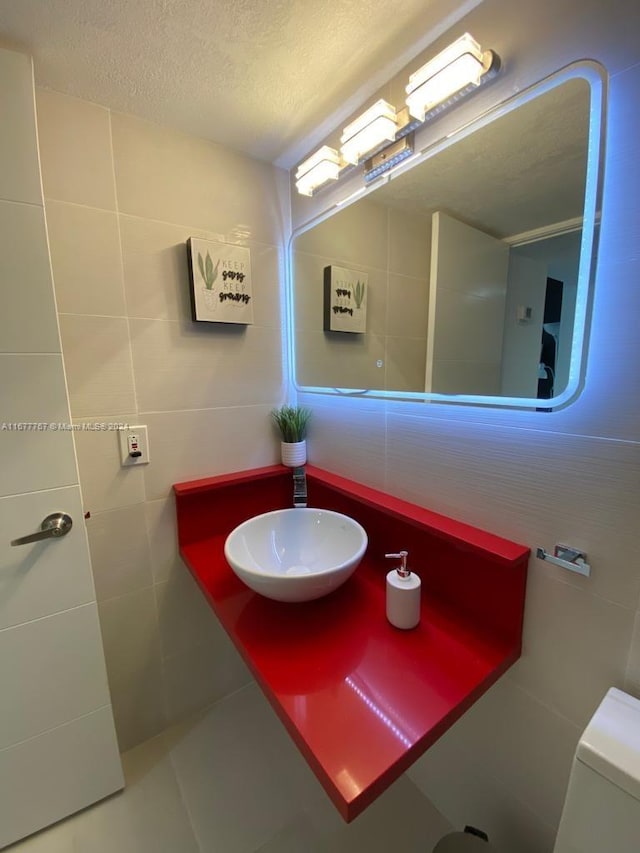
{"x":292,"y":422}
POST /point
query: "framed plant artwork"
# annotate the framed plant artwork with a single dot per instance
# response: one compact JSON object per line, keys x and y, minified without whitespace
{"x":220,"y":280}
{"x":345,"y":300}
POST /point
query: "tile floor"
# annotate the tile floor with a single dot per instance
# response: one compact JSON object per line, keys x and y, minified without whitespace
{"x":229,"y":780}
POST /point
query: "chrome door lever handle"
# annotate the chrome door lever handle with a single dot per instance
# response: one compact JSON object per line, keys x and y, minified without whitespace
{"x":55,"y":525}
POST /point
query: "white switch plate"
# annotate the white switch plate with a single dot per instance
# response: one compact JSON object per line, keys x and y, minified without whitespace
{"x":133,"y":440}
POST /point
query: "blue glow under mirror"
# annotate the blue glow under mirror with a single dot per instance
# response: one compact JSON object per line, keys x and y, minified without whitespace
{"x":465,"y":275}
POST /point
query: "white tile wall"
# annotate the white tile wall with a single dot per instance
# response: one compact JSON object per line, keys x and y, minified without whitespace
{"x":125,"y":204}
{"x":75,"y":150}
{"x":211,"y":441}
{"x":191,"y":181}
{"x":85,"y":256}
{"x":120,"y":554}
{"x":225,"y":365}
{"x":570,"y":476}
{"x":97,"y":359}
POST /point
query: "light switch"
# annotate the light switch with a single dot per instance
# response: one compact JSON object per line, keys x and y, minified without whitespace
{"x":134,"y":445}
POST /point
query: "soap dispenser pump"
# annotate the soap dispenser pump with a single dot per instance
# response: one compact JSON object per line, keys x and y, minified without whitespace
{"x":403,"y":594}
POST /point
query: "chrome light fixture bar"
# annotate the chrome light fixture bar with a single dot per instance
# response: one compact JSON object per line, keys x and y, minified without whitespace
{"x":454,"y":72}
{"x":368,"y":132}
{"x":317,"y":170}
{"x":389,"y":157}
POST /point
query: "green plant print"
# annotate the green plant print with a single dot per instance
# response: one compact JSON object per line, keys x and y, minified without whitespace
{"x":358,"y":293}
{"x":208,"y":272}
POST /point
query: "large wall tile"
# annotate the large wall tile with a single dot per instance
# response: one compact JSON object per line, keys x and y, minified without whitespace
{"x":156,"y":269}
{"x":28,"y":317}
{"x":33,"y":392}
{"x":57,"y":677}
{"x":203,"y":675}
{"x":212,"y":441}
{"x":139,"y":706}
{"x":19,"y":177}
{"x":166,"y":175}
{"x":45,"y":577}
{"x":132,"y":652}
{"x":354,"y":445}
{"x":105,"y":483}
{"x":196,"y":366}
{"x":75,"y":150}
{"x":120,"y":556}
{"x":97,"y":359}
{"x":85,"y":255}
{"x":185,"y":618}
{"x":58,"y":770}
{"x":534,"y":487}
{"x":575,"y":646}
{"x":130,"y":634}
{"x":163,"y":536}
{"x":156,"y":272}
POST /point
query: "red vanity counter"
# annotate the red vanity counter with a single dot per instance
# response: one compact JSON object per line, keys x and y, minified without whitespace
{"x":362,"y":699}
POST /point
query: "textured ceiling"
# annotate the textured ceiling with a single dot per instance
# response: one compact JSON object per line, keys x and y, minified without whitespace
{"x":258,"y":75}
{"x":523,"y":171}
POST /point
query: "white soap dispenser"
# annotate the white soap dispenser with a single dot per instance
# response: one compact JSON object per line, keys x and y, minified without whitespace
{"x":403,"y":594}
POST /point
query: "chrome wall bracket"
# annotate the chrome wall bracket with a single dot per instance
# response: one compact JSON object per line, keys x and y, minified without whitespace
{"x":567,"y":558}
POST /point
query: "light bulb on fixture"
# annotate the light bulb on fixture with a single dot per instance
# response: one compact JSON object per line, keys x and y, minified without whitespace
{"x":456,"y":69}
{"x":375,"y":126}
{"x":317,"y":170}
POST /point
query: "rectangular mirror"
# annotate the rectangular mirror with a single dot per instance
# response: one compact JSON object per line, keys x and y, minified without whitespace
{"x":478,"y":257}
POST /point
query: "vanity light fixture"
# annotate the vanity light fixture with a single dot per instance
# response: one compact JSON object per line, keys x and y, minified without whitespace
{"x":368,"y":132}
{"x":317,"y":170}
{"x":454,"y":72}
{"x":376,"y":137}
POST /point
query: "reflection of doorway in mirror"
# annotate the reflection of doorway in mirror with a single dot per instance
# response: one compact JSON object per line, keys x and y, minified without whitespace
{"x":549,"y":343}
{"x":531,"y":265}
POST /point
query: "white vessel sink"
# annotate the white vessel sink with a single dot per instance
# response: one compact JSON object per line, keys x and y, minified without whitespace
{"x":296,"y":554}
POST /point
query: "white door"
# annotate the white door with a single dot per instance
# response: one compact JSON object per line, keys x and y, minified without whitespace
{"x":58,"y":751}
{"x":466,"y":309}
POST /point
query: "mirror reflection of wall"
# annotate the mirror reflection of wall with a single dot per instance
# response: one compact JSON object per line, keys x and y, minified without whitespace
{"x":458,"y":251}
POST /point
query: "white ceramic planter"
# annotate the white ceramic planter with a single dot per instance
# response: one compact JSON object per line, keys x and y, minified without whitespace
{"x":293,"y":454}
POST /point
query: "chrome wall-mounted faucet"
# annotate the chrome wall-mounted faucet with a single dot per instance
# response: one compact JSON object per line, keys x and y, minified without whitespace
{"x":299,"y":487}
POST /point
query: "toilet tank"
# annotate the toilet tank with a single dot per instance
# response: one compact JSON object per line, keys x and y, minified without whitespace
{"x":602,"y":808}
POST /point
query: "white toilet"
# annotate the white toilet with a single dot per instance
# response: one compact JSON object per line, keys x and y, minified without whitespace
{"x":602,"y":808}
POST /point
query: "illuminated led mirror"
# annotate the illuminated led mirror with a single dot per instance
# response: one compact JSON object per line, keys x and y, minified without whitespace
{"x":476,"y":260}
